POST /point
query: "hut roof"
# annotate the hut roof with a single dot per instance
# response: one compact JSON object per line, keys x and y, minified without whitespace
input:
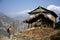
{"x":37,"y":17}
{"x":42,"y":10}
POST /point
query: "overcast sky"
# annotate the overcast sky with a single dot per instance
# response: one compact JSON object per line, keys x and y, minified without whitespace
{"x":16,"y":7}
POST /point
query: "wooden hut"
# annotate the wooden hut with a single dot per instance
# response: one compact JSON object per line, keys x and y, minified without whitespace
{"x":42,"y":17}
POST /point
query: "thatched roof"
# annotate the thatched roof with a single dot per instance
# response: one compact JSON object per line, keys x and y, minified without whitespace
{"x":42,"y":10}
{"x":37,"y":17}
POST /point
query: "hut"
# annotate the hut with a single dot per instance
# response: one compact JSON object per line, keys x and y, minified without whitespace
{"x":42,"y":17}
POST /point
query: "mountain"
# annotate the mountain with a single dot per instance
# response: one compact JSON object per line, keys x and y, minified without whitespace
{"x":16,"y":23}
{"x":5,"y":18}
{"x":22,"y":17}
{"x":5,"y":22}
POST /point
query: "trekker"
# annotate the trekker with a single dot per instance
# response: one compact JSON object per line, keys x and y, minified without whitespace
{"x":9,"y":31}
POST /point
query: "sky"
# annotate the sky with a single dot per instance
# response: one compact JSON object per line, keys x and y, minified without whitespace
{"x":14,"y":8}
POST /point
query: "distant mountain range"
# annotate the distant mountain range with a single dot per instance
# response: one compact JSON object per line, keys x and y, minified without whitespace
{"x":22,"y":17}
{"x":16,"y":22}
{"x":5,"y":22}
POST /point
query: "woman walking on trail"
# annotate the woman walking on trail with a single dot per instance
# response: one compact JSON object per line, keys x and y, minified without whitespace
{"x":9,"y":30}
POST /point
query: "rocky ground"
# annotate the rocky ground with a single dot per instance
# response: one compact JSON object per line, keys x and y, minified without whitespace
{"x":36,"y":34}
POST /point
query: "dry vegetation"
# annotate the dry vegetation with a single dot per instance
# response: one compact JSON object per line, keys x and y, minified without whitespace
{"x":37,"y":33}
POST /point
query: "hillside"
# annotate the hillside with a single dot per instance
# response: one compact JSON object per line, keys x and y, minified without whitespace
{"x":22,"y":17}
{"x":5,"y":22}
{"x":37,"y":34}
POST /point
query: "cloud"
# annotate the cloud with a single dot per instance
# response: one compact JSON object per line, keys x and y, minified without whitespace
{"x":24,"y":11}
{"x":50,"y":7}
{"x":14,"y":14}
{"x":54,"y":8}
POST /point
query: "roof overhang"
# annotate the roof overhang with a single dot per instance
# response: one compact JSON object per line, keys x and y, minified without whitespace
{"x":37,"y":17}
{"x":39,"y":11}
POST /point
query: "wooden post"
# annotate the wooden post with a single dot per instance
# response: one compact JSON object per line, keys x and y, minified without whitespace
{"x":28,"y":25}
{"x":53,"y":25}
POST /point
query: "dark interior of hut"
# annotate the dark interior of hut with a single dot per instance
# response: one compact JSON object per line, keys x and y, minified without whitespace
{"x":43,"y":21}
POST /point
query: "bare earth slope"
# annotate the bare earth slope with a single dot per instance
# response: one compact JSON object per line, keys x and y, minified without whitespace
{"x":37,"y":34}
